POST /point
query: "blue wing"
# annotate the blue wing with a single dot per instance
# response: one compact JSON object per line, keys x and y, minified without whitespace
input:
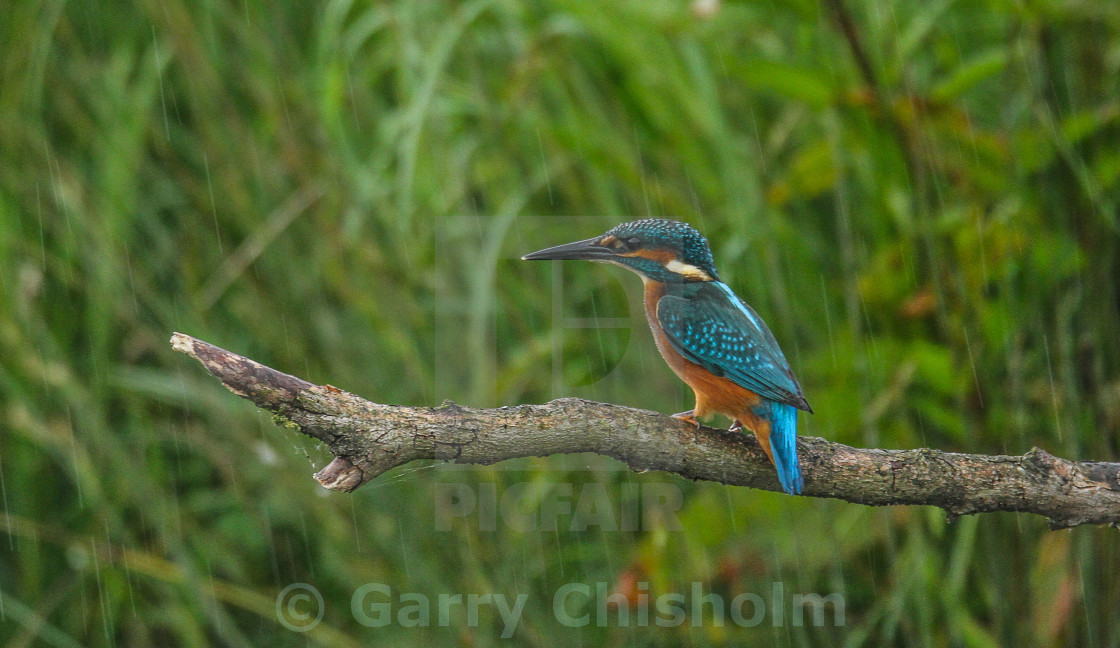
{"x":718,"y":331}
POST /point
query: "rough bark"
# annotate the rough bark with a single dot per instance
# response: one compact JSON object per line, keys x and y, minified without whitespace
{"x":368,"y":439}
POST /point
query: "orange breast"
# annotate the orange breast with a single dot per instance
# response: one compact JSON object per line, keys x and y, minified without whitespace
{"x":713,"y":393}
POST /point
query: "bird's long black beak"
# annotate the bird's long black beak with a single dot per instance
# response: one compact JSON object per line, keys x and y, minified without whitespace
{"x":589,"y":249}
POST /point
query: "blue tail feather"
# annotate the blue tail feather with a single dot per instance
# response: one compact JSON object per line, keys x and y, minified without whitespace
{"x":783,"y":443}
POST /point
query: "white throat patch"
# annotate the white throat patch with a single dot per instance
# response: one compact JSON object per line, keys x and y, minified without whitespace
{"x":687,"y":270}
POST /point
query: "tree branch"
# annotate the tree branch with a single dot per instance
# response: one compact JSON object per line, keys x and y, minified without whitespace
{"x":368,"y":439}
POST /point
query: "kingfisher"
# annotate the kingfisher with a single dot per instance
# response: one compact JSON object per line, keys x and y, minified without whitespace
{"x":712,"y":340}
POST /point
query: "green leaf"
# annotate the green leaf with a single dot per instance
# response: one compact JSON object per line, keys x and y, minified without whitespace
{"x":969,"y":74}
{"x":790,"y":81}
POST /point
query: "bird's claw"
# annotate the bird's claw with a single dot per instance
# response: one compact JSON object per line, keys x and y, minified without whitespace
{"x":687,"y":417}
{"x":735,"y":426}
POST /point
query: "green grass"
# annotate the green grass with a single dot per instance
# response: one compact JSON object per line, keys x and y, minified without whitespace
{"x":342,"y":191}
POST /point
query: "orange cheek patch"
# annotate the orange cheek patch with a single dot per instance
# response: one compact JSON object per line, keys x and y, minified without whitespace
{"x":660,"y":256}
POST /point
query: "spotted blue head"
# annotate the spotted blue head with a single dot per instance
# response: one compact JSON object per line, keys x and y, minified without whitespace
{"x":657,"y":249}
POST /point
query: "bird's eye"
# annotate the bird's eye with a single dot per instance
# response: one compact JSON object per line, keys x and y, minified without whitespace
{"x":633,"y":243}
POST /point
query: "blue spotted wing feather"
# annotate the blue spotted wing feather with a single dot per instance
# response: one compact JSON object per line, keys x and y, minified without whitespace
{"x":718,"y":331}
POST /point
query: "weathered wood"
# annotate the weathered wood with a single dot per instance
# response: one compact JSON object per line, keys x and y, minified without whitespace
{"x":368,"y":439}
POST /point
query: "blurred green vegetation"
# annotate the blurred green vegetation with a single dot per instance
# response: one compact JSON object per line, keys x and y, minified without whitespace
{"x":920,"y":198}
